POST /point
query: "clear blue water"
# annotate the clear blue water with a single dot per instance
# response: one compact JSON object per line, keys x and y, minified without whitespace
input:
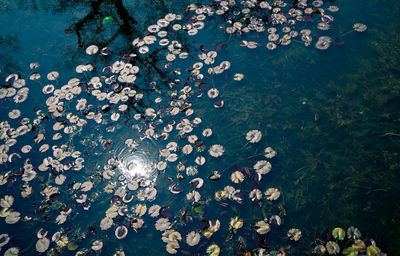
{"x":331,"y":116}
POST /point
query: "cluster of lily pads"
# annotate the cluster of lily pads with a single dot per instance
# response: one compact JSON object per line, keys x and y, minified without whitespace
{"x":347,"y":243}
{"x":284,"y":21}
{"x":50,"y":169}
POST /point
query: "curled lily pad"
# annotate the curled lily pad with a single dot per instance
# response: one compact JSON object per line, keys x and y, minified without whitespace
{"x":121,"y":232}
{"x":215,"y":176}
{"x":137,"y":223}
{"x":97,"y":245}
{"x":238,"y":77}
{"x":4,"y":239}
{"x":197,"y":182}
{"x":338,"y":233}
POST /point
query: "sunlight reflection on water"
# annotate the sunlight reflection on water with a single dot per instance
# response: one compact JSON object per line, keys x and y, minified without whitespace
{"x":140,"y":163}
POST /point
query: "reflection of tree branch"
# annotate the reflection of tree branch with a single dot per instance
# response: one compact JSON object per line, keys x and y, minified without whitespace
{"x":126,"y":28}
{"x":77,"y":27}
{"x":125,"y":17}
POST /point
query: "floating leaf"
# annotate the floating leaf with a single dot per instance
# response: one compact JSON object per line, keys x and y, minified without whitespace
{"x":97,"y":245}
{"x":42,"y":244}
{"x":262,"y":227}
{"x":193,"y":238}
{"x":332,"y":247}
{"x":373,"y":250}
{"x":72,"y":246}
{"x":112,"y":212}
{"x":294,"y":234}
{"x":213,"y":250}
{"x":359,"y":245}
{"x":272,"y":194}
{"x":237,"y":177}
{"x":338,"y":233}
{"x":319,"y":249}
{"x":236,"y":223}
{"x":350,"y":251}
{"x":141,"y":209}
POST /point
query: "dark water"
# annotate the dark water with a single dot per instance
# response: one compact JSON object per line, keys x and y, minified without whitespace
{"x":332,"y":117}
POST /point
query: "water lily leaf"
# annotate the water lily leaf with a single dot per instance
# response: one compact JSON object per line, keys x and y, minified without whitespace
{"x":332,"y":247}
{"x":350,"y":252}
{"x":237,"y":177}
{"x":359,"y":245}
{"x":5,"y":212}
{"x":272,"y":194}
{"x":319,"y":249}
{"x":140,"y":209}
{"x":262,"y":227}
{"x":193,"y":238}
{"x":72,"y":246}
{"x":338,"y":233}
{"x":112,"y":212}
{"x":213,"y":250}
{"x":373,"y":250}
{"x":236,"y":223}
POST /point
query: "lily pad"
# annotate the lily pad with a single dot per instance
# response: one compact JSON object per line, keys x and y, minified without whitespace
{"x":72,"y":246}
{"x":338,"y":233}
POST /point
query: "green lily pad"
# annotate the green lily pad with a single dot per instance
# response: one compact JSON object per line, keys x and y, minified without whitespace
{"x":373,"y":250}
{"x":338,"y":233}
{"x":72,"y":246}
{"x":350,"y":251}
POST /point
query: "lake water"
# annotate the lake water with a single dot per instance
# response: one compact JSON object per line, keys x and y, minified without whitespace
{"x":150,"y":127}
